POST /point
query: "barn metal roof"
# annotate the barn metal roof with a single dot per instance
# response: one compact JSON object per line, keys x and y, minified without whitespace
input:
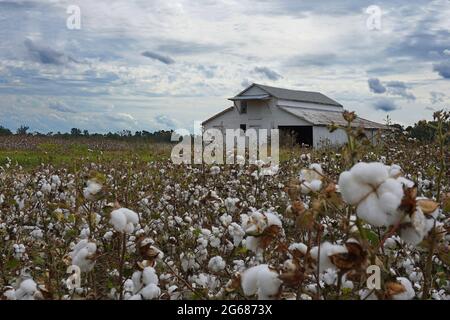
{"x":295,"y":95}
{"x":251,"y":97}
{"x":323,"y":118}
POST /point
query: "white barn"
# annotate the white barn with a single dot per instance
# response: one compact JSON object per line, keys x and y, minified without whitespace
{"x":303,"y":112}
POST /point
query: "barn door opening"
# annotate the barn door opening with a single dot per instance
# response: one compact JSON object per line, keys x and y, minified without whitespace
{"x":296,"y":134}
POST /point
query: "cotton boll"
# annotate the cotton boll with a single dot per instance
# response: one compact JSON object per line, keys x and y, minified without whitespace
{"x":330,"y":276}
{"x":252,"y":244}
{"x":408,"y":293}
{"x":272,"y":219}
{"x":260,"y":280}
{"x":92,"y":188}
{"x":326,"y":250}
{"x":132,"y":217}
{"x":373,"y":173}
{"x":27,"y":289}
{"x":216,"y":264}
{"x":118,"y":220}
{"x":370,"y":211}
{"x":151,"y":291}
{"x":10,"y":294}
{"x":351,"y":190}
{"x":390,"y":193}
{"x":82,"y":255}
{"x":124,"y":220}
{"x":149,"y":276}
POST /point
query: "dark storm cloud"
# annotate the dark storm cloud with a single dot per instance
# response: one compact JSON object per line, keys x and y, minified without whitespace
{"x":47,"y":55}
{"x":268,"y":73}
{"x":385,"y":105}
{"x":443,"y":69}
{"x":376,"y":86}
{"x":396,"y":88}
{"x":158,"y":57}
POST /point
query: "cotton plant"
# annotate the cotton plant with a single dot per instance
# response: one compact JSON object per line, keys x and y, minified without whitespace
{"x":311,"y":178}
{"x":83,"y":255}
{"x":143,"y":285}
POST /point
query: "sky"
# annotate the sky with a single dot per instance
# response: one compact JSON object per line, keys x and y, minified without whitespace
{"x":157,"y":64}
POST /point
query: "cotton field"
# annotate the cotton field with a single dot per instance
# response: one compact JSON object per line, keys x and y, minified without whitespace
{"x":311,"y":229}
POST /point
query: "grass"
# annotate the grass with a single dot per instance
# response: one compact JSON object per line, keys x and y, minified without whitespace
{"x":68,"y":155}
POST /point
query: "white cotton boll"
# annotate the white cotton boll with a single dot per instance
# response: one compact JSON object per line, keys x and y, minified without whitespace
{"x":252,"y":244}
{"x":132,"y":217}
{"x":129,"y":228}
{"x":128,"y":285}
{"x":330,"y":276}
{"x":226,"y":219}
{"x":118,"y":220}
{"x":373,"y":173}
{"x":214,"y":170}
{"x":82,"y":255}
{"x":216,"y":264}
{"x":137,"y":280}
{"x":405,"y":182}
{"x":298,"y":246}
{"x":417,"y":229}
{"x":10,"y":294}
{"x":370,"y":211}
{"x":260,"y":280}
{"x":149,"y":276}
{"x":272,"y":219}
{"x":92,"y":188}
{"x":151,"y":291}
{"x":236,"y":232}
{"x":390,"y":193}
{"x":316,"y":167}
{"x":395,"y":171}
{"x":124,"y":220}
{"x":409,"y":292}
{"x":326,"y":250}
{"x":26,"y":290}
{"x":136,"y":297}
{"x":315,"y":185}
{"x":46,"y":188}
{"x":351,"y":190}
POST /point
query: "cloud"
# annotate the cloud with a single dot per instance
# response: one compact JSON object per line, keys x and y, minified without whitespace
{"x":385,"y":105}
{"x":399,"y":88}
{"x":165,"y":121}
{"x":437,"y":97}
{"x":268,"y":73}
{"x":395,"y":88}
{"x":446,"y":52}
{"x":47,"y":55}
{"x":443,"y":69}
{"x":376,"y":86}
{"x":60,"y":107}
{"x":158,"y":57}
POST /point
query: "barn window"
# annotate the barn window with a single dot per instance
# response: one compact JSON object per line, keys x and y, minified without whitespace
{"x":243,"y":127}
{"x":243,"y":106}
